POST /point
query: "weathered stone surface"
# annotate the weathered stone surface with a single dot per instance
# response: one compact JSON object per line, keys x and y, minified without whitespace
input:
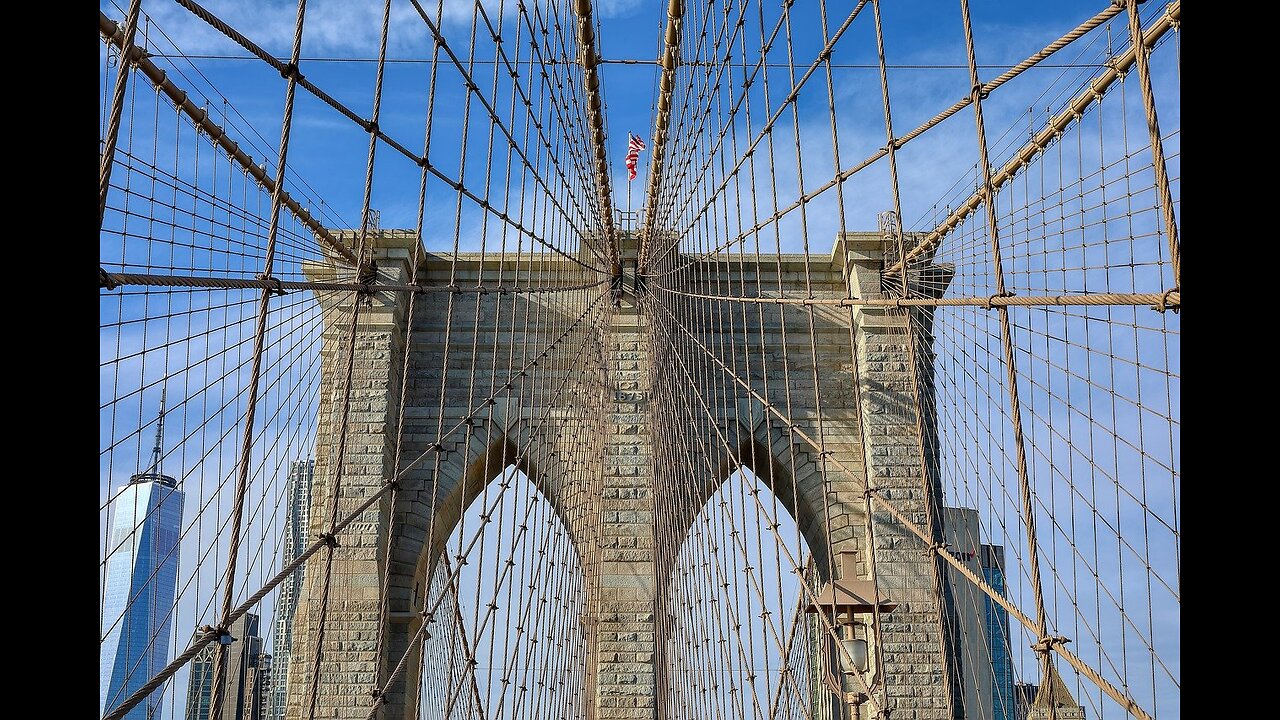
{"x":804,"y":428}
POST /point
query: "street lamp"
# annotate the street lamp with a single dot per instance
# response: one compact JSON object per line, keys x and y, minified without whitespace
{"x":857,"y":651}
{"x":844,"y":599}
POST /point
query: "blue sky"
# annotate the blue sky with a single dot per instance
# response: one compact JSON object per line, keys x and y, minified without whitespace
{"x":1066,"y":238}
{"x":328,"y":151}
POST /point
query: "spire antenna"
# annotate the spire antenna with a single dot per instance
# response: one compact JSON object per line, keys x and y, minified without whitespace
{"x":156,"y":451}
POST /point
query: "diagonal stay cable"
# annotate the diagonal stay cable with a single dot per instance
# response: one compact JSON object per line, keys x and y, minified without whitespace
{"x":1116,"y":694}
{"x":334,"y":530}
{"x":138,"y":56}
{"x":473,"y":88}
{"x":828,"y":626}
{"x":672,"y":40}
{"x":562,"y":110}
{"x":588,"y":57}
{"x":127,"y":48}
{"x":453,"y":576}
{"x":666,"y":201}
{"x":1157,"y":147}
{"x":767,"y":128}
{"x":771,"y":520}
{"x":841,"y":177}
{"x":1051,"y":130}
{"x":371,"y":127}
{"x":251,"y":403}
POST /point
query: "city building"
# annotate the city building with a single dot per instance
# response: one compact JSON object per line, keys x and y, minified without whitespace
{"x":1023,"y":695}
{"x":247,"y":682}
{"x":980,"y":630}
{"x":259,"y":687}
{"x":1054,"y":701}
{"x":996,"y":625}
{"x":139,"y":585}
{"x":980,"y":626}
{"x":298,"y":491}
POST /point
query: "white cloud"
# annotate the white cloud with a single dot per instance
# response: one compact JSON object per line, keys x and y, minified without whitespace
{"x":617,"y":8}
{"x":332,"y":27}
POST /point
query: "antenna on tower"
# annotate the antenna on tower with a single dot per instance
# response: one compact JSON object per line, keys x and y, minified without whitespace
{"x":156,"y":451}
{"x":153,"y":474}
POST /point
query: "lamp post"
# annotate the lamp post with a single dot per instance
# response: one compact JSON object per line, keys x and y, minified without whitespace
{"x":856,"y":648}
{"x":843,"y":599}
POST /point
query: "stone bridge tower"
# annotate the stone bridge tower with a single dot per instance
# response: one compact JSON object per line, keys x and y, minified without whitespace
{"x":592,"y":457}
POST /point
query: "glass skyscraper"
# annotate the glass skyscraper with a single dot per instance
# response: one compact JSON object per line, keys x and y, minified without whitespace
{"x":139,"y":586}
{"x":295,"y":542}
{"x":979,"y":625}
{"x":996,"y":619}
{"x":246,"y":687}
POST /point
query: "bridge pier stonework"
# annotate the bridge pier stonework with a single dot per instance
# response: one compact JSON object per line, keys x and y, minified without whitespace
{"x":627,"y":602}
{"x":593,"y":460}
{"x":351,"y":621}
{"x":915,"y":639}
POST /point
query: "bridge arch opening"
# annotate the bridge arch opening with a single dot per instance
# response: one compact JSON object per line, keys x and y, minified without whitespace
{"x":503,"y":600}
{"x":736,"y":640}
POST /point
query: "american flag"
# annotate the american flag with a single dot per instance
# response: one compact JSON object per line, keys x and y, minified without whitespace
{"x":634,"y":146}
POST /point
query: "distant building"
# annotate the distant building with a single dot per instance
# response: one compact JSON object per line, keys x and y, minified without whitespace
{"x":260,"y":688}
{"x":1023,"y":695}
{"x":301,"y":475}
{"x":980,"y":626}
{"x":140,"y":585}
{"x":1054,"y":694}
{"x":247,"y":682}
{"x":991,"y":557}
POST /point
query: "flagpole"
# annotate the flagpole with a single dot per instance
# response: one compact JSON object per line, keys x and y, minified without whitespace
{"x":634,"y":146}
{"x":630,"y":219}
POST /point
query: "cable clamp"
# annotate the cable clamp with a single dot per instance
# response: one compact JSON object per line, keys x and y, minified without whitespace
{"x":218,"y":632}
{"x":367,"y":274}
{"x":289,"y":71}
{"x":105,"y":281}
{"x":276,"y":286}
{"x":935,"y":548}
{"x":1164,"y":303}
{"x":1045,"y":644}
{"x":987,"y":304}
{"x":329,"y":539}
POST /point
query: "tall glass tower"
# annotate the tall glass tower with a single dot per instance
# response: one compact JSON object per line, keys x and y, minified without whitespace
{"x":246,"y":687}
{"x":139,"y":586}
{"x":997,"y":632}
{"x":301,"y":475}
